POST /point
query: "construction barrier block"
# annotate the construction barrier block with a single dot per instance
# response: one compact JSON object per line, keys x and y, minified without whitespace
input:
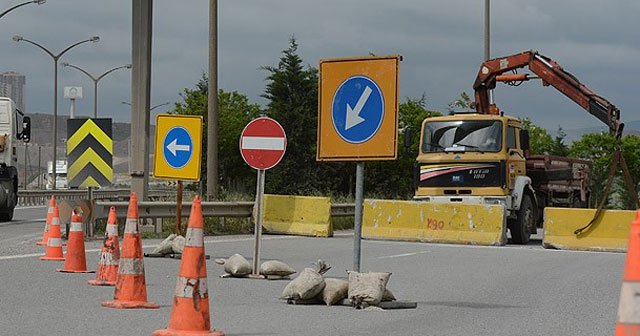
{"x":609,"y":233}
{"x":297,"y":215}
{"x":434,"y":222}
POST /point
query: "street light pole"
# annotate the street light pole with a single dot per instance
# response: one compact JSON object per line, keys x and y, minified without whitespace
{"x":152,"y":107}
{"x":37,"y":2}
{"x":487,"y":37}
{"x":95,"y":81}
{"x":55,"y":58}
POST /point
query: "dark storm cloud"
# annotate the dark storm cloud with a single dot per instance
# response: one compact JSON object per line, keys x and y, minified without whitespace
{"x":441,"y":41}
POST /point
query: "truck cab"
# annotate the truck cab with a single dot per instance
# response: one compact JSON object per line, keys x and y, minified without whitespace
{"x":477,"y":159}
{"x":9,"y":137}
{"x":470,"y":155}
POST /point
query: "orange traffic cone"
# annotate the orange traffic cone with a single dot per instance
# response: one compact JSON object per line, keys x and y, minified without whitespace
{"x":54,"y":241}
{"x":76,"y":261}
{"x":47,"y":223}
{"x":190,"y":313}
{"x":628,"y":310}
{"x":110,"y":254}
{"x":131,"y":287}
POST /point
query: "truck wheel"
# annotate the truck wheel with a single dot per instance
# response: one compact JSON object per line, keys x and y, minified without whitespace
{"x":520,"y":228}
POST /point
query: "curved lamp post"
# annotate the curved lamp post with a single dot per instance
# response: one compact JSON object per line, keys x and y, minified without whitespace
{"x":95,"y":82}
{"x":37,"y":2}
{"x":55,"y":58}
{"x":152,"y":108}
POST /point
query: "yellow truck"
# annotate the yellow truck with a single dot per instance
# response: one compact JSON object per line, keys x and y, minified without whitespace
{"x":482,"y":157}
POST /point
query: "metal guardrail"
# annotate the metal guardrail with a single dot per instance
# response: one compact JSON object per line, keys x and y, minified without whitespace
{"x":41,"y":197}
{"x":155,"y":210}
{"x":159,"y":210}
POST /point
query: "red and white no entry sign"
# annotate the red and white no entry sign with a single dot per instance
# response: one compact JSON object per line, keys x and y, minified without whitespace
{"x":263,"y":143}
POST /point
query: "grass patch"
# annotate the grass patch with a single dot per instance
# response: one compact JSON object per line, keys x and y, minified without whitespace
{"x":342,"y":223}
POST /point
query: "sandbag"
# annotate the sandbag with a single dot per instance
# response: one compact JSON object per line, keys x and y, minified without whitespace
{"x":165,"y":246}
{"x":275,"y":267}
{"x":335,"y":290}
{"x":388,"y":296}
{"x":177,"y":245}
{"x":306,"y":286}
{"x":367,"y":289}
{"x":236,"y":265}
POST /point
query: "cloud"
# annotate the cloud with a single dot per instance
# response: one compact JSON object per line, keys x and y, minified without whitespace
{"x":441,"y":41}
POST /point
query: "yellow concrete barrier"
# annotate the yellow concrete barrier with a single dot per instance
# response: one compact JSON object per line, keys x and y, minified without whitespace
{"x":434,"y":222}
{"x":297,"y":215}
{"x":609,"y":233}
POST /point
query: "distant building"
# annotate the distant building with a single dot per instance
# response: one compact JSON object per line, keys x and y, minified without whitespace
{"x":12,"y":86}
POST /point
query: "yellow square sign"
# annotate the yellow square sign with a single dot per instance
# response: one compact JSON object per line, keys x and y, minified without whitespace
{"x":178,"y":147}
{"x":358,"y":109}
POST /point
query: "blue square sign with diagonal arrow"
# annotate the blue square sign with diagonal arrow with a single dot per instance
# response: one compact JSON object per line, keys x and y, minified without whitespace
{"x":178,"y":147}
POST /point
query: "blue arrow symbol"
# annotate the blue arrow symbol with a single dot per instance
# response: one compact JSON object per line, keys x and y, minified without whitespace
{"x":173,"y":147}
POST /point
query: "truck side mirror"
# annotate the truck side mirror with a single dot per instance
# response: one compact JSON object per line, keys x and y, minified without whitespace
{"x":524,"y":140}
{"x":407,"y":139}
{"x":25,"y":135}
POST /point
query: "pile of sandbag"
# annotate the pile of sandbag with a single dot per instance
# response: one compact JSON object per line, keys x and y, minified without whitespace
{"x":238,"y":267}
{"x":172,"y":244}
{"x":361,"y":289}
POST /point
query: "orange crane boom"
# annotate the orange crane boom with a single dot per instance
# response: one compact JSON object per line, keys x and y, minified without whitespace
{"x":551,"y":73}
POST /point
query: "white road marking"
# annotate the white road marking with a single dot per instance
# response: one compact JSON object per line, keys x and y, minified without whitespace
{"x":29,"y":236}
{"x":207,"y":241}
{"x":31,"y":207}
{"x":24,"y":221}
{"x":403,"y":255}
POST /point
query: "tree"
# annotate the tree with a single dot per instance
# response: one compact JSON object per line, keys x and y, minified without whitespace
{"x":235,"y":111}
{"x":631,"y":152}
{"x":394,"y":179}
{"x":558,"y":147}
{"x":599,"y":149}
{"x":463,"y":102}
{"x":292,"y":91}
{"x":540,"y":142}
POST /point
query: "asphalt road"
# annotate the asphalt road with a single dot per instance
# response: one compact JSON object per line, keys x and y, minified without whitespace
{"x":460,"y":290}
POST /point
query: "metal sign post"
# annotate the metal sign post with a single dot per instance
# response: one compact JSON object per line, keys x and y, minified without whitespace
{"x":262,"y":145}
{"x":178,"y":229}
{"x":258,"y":223}
{"x":357,"y":225}
{"x":358,"y":119}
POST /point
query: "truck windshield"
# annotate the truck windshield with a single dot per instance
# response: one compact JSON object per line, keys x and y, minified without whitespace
{"x":462,"y":136}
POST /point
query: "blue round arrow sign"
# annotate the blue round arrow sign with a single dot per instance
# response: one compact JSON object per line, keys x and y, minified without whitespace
{"x":177,"y":147}
{"x":357,"y":110}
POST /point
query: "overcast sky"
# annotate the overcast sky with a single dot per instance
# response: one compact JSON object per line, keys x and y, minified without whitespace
{"x":441,"y":42}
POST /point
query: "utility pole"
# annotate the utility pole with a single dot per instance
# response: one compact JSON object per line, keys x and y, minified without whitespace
{"x":487,"y":29}
{"x":212,"y":102}
{"x":487,"y":37}
{"x":39,"y":166}
{"x":140,"y":96}
{"x":26,"y":154}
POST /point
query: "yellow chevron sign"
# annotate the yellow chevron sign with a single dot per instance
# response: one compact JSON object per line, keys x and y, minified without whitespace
{"x":89,"y":152}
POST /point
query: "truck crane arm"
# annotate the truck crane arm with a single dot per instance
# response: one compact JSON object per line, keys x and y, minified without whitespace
{"x":551,"y":73}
